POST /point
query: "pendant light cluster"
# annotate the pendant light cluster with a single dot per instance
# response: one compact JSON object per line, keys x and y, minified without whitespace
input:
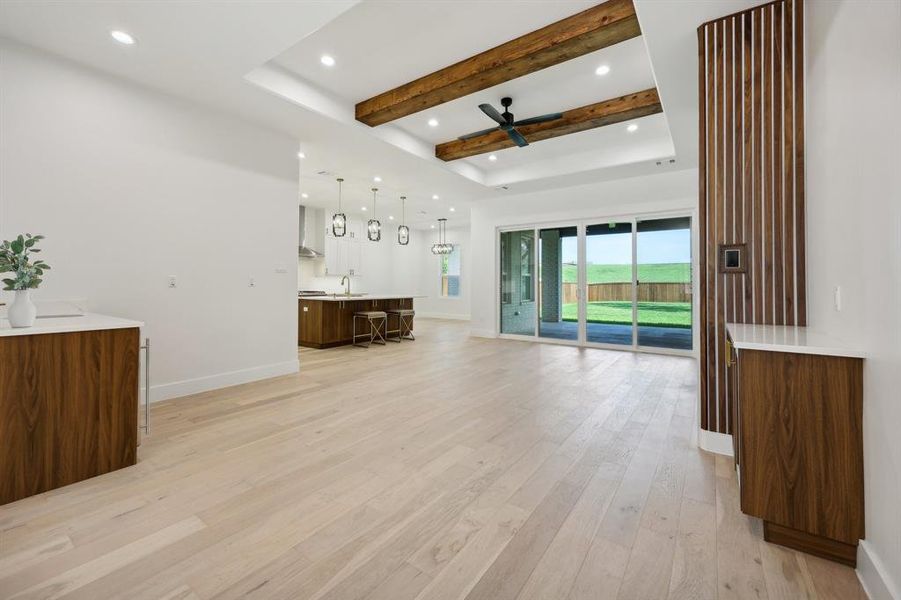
{"x":339,"y":219}
{"x":403,"y":232}
{"x":374,"y":226}
{"x":442,"y":247}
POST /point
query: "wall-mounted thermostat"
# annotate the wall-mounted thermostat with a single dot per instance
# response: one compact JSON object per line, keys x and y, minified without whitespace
{"x":733,"y":258}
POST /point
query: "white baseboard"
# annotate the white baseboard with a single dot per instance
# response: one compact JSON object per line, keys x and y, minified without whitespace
{"x":718,"y":443}
{"x":434,"y":315}
{"x":483,"y":333}
{"x":165,"y":391}
{"x":874,"y":576}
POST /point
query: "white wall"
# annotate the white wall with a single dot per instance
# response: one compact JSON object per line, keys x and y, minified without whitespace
{"x":854,"y":237}
{"x":131,"y":186}
{"x":671,"y":191}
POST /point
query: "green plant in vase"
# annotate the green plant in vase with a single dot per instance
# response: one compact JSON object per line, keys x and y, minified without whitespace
{"x":16,"y":257}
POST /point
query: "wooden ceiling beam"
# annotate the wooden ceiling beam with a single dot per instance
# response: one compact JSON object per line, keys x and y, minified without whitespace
{"x":609,"y":23}
{"x":608,"y":112}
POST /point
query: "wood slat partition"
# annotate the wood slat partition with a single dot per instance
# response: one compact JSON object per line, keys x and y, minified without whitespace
{"x":751,"y":181}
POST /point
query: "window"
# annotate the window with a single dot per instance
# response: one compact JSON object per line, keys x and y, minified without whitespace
{"x":450,"y":274}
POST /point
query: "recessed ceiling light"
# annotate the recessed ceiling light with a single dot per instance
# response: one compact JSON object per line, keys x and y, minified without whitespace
{"x":122,"y":37}
{"x":452,"y":209}
{"x":492,"y":157}
{"x":363,"y":208}
{"x":301,"y":155}
{"x":377,"y":179}
{"x":327,"y":60}
{"x":434,"y":196}
{"x":304,"y":195}
{"x":390,"y":217}
{"x":432,"y":226}
{"x":632,"y":128}
{"x":433,"y":122}
{"x":602,"y":70}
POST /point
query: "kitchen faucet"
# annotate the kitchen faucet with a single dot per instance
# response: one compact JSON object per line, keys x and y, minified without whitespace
{"x":347,"y":278}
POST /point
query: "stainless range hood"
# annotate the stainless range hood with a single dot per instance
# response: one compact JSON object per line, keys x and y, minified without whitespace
{"x":306,"y":231}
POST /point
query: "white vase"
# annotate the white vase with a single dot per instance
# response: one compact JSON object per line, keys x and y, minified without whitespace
{"x":22,"y":311}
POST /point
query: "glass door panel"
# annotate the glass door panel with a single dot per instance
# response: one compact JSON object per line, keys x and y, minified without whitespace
{"x":664,"y":283}
{"x":608,"y":282}
{"x":558,"y":283}
{"x":517,"y":286}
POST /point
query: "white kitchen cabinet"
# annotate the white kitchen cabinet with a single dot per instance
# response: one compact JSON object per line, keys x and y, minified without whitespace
{"x":332,"y":259}
{"x":354,"y":257}
{"x":343,"y":256}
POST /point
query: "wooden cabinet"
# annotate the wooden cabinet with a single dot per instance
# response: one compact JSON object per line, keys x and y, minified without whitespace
{"x":68,"y":408}
{"x":797,"y":422}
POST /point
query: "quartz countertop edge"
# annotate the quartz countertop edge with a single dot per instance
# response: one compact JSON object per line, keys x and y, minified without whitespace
{"x":85,"y":322}
{"x":789,"y":338}
{"x":342,"y":298}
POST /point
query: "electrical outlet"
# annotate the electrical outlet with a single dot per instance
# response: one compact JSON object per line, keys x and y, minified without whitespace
{"x":252,"y":282}
{"x":172,"y":281}
{"x":837,"y":298}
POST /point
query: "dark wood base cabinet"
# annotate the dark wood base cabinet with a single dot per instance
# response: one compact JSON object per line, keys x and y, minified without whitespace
{"x":799,"y":448}
{"x":68,"y":408}
{"x":329,"y":323}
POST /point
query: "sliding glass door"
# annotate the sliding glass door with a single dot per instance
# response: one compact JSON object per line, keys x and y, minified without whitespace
{"x":558,"y":283}
{"x":664,"y":283}
{"x":619,"y":283}
{"x":608,"y":279}
{"x":517,"y":284}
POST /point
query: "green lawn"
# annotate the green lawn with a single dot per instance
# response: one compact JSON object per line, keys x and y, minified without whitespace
{"x":655,"y":273}
{"x":662,"y":314}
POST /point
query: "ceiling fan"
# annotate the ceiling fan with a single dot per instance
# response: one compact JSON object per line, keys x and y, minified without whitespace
{"x":507,"y":124}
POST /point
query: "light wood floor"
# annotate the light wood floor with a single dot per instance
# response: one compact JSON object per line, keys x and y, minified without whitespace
{"x":445,"y":468}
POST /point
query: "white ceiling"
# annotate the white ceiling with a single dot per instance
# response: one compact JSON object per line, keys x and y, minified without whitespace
{"x":380,"y":45}
{"x":214,"y":52}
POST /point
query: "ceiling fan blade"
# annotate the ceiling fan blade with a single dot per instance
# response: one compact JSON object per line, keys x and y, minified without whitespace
{"x":517,"y":138}
{"x":541,"y":119}
{"x":492,"y":112}
{"x":476,"y":134}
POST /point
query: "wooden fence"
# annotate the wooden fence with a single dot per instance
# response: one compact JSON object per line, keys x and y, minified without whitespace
{"x":622,"y":292}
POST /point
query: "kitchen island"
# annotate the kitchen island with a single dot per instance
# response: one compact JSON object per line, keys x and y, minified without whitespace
{"x":326,"y":321}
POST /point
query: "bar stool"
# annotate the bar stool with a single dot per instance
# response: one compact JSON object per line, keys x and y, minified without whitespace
{"x":404,"y":329}
{"x":376,"y":319}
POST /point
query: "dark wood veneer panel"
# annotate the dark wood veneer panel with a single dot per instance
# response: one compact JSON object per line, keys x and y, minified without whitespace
{"x":751,"y":191}
{"x":801,"y":442}
{"x":68,"y":408}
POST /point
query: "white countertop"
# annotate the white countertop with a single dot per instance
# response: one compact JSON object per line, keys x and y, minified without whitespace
{"x":85,"y":322}
{"x":781,"y":338}
{"x":343,"y":298}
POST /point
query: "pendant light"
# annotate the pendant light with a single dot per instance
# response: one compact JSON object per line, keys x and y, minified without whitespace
{"x":374,"y":228}
{"x":442,"y":247}
{"x":339,"y":220}
{"x":403,"y":232}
